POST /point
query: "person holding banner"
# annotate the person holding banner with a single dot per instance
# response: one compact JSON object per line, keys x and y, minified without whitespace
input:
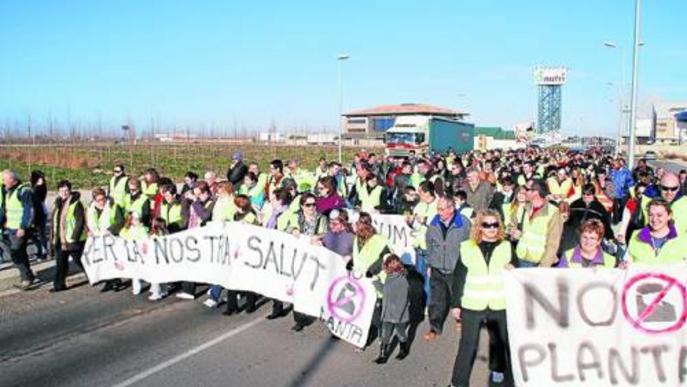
{"x":306,"y":222}
{"x":479,"y":289}
{"x":105,"y":217}
{"x":134,"y":230}
{"x":276,"y":216}
{"x":223,"y":210}
{"x":660,"y":242}
{"x":369,"y":250}
{"x":136,"y":201}
{"x":245,"y":214}
{"x":395,"y":309}
{"x":588,"y":252}
{"x":201,"y":212}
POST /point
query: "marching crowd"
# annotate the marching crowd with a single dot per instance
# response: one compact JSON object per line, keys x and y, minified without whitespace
{"x":474,"y":214}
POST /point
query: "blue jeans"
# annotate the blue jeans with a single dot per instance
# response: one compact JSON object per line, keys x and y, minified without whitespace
{"x":216,"y":292}
{"x":421,"y":267}
{"x":526,"y":264}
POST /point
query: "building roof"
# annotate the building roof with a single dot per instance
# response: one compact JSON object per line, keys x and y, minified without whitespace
{"x":405,"y":108}
{"x":668,"y":109}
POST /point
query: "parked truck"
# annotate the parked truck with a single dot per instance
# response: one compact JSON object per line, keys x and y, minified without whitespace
{"x":427,"y":134}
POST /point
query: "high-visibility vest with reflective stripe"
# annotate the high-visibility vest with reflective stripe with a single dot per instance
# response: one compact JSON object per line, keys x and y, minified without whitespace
{"x":149,"y":190}
{"x":69,"y":224}
{"x":509,"y":217}
{"x":673,"y":251}
{"x":171,"y":213}
{"x":99,"y":223}
{"x":416,"y":179}
{"x":484,"y":284}
{"x":364,"y":258}
{"x":370,"y":200}
{"x":224,"y":210}
{"x":428,"y":211}
{"x":118,"y":189}
{"x":609,"y":260}
{"x":134,"y":233}
{"x":135,"y":206}
{"x":560,"y":189}
{"x":14,"y":210}
{"x":532,"y":243}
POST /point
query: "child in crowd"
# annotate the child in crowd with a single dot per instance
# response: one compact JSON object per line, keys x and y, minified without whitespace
{"x":395,"y":315}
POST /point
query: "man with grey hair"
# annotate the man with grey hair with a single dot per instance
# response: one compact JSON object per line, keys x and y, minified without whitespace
{"x":16,"y":213}
{"x":479,"y":192}
{"x":447,"y":230}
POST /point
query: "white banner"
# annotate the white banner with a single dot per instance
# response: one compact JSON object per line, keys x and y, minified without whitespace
{"x":399,"y":235}
{"x":586,"y":327}
{"x":244,"y":257}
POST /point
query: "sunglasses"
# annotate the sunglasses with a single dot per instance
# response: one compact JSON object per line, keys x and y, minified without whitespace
{"x":117,"y":171}
{"x":671,"y":189}
{"x":309,"y":205}
{"x":490,"y":225}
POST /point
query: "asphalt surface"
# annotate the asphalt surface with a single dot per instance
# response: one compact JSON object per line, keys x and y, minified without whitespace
{"x":84,"y":338}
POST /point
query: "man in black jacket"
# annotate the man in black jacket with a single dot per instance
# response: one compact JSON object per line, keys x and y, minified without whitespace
{"x":237,"y":171}
{"x":68,"y":234}
{"x":502,"y":196}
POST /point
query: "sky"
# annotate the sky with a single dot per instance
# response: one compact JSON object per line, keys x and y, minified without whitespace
{"x":252,"y":64}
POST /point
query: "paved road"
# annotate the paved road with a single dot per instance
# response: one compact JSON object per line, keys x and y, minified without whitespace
{"x":84,"y":338}
{"x":671,"y":165}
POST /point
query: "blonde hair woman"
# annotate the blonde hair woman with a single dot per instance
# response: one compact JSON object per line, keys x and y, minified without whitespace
{"x":479,"y":289}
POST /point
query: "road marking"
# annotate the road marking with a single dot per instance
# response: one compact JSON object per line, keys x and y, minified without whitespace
{"x":138,"y":377}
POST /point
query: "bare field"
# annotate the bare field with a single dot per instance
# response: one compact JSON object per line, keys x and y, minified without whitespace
{"x":90,"y":165}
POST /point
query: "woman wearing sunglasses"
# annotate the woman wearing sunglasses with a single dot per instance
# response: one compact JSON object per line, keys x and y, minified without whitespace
{"x":479,"y":287}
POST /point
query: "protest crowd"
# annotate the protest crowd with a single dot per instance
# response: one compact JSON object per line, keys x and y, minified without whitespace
{"x":475,"y":215}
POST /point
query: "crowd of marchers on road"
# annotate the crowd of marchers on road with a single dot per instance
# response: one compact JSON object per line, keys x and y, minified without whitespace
{"x":474,"y":214}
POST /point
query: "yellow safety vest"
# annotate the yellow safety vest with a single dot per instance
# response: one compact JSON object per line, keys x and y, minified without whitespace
{"x":118,"y":189}
{"x":135,"y":206}
{"x":171,"y":213}
{"x":14,"y":208}
{"x":69,"y":224}
{"x":364,"y":258}
{"x":484,"y":284}
{"x":673,"y":251}
{"x":370,"y":200}
{"x":137,"y":233}
{"x":224,"y":210}
{"x":98,"y":223}
{"x":532,"y":243}
{"x":149,"y":190}
{"x":428,"y":211}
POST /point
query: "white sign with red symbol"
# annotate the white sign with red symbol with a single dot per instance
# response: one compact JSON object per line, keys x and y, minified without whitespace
{"x":598,"y":327}
{"x":244,"y":257}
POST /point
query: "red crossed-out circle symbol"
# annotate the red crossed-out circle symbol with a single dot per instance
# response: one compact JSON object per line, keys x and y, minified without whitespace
{"x":668,"y":283}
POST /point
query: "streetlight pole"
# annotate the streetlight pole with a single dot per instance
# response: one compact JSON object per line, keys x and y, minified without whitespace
{"x":633,"y":101}
{"x":621,"y":92}
{"x":340,"y":58}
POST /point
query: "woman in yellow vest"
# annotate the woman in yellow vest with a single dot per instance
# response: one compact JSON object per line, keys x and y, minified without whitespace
{"x":480,"y":292}
{"x":588,"y":253}
{"x":245,"y":214}
{"x":134,"y":230}
{"x":149,"y":183}
{"x":223,"y":210}
{"x":105,"y":217}
{"x":369,"y":250}
{"x":659,"y":242}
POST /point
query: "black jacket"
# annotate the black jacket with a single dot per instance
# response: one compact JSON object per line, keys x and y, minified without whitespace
{"x":236,"y":174}
{"x":79,"y":223}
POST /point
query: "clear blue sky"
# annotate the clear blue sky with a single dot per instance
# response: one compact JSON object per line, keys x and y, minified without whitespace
{"x":250,"y":63}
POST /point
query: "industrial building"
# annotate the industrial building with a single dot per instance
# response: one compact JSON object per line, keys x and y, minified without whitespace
{"x":373,"y":122}
{"x":666,"y":128}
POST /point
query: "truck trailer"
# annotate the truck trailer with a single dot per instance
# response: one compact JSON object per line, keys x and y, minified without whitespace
{"x":427,"y":134}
